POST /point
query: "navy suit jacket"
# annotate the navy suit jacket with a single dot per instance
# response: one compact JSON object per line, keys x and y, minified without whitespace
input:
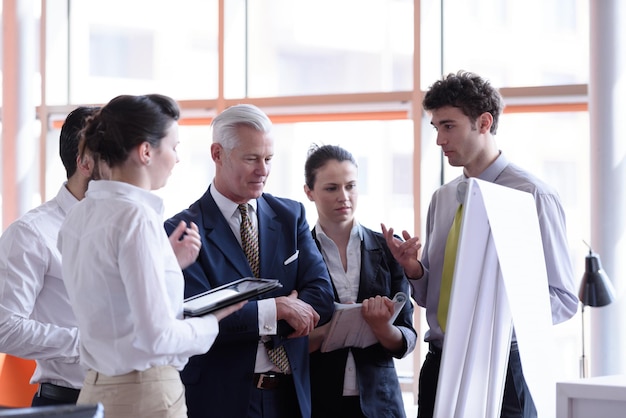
{"x":218,"y":383}
{"x":379,"y":388}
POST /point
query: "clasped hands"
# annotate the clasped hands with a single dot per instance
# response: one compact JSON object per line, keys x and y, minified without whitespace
{"x":299,"y":314}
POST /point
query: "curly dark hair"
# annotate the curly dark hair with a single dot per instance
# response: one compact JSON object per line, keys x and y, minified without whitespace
{"x":467,"y":91}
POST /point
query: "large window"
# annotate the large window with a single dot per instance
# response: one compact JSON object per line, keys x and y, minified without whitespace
{"x":334,"y":72}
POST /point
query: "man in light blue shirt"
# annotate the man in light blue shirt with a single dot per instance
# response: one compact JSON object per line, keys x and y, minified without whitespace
{"x":465,"y":110}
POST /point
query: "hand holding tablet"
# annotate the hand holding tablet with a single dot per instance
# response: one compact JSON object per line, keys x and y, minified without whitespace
{"x":228,"y":294}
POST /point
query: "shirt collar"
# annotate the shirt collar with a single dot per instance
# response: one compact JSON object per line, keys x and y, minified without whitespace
{"x":103,"y":189}
{"x":492,"y":172}
{"x":65,"y":198}
{"x":356,"y":230}
{"x":227,"y":206}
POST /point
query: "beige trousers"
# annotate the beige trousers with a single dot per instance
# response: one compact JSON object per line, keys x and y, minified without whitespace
{"x":153,"y":393}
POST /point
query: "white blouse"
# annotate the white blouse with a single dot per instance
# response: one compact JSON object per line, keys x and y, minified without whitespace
{"x":125,"y":284}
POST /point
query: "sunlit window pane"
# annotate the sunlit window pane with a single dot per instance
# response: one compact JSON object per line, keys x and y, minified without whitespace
{"x":142,"y":46}
{"x":511,"y":42}
{"x":301,"y":47}
{"x":57,"y":52}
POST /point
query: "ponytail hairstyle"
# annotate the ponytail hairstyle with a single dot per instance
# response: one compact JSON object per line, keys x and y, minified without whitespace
{"x":317,"y":158}
{"x":125,"y":123}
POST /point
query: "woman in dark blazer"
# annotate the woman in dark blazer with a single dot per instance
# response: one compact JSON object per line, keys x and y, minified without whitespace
{"x":356,"y":382}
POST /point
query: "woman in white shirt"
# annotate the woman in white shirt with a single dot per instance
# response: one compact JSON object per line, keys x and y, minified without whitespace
{"x":356,"y":382}
{"x":121,"y":274}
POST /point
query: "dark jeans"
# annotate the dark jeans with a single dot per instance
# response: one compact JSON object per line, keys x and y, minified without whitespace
{"x":516,"y":401}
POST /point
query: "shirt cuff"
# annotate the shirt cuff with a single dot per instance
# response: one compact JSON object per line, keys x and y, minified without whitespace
{"x":267,"y":317}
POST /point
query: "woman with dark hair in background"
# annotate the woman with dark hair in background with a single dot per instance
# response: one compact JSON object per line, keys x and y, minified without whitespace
{"x":356,"y":382}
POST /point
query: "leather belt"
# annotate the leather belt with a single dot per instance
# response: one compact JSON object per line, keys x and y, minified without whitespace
{"x":57,"y":393}
{"x":270,"y":380}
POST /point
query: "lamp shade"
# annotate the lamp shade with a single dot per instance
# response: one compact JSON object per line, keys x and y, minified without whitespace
{"x":595,"y":288}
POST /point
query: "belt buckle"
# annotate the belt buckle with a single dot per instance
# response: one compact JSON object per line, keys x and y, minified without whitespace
{"x":259,"y":383}
{"x":267,"y":381}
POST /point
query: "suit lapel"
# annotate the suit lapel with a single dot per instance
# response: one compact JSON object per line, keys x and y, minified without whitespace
{"x":220,"y":237}
{"x":371,"y":254}
{"x":319,"y":247}
{"x":269,"y":237}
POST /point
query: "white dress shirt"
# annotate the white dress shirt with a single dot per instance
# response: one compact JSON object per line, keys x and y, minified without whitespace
{"x":551,"y":215}
{"x":125,"y":284}
{"x":36,"y":319}
{"x":346,"y":283}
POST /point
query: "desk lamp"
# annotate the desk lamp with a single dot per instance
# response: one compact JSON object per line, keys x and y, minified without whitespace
{"x":595,"y":290}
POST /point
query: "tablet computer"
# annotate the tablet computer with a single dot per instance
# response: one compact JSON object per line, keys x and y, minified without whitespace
{"x":228,"y":294}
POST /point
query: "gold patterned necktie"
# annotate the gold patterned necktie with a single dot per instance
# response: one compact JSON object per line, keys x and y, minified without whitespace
{"x":449,"y":260}
{"x":249,"y":239}
{"x":250,"y":245}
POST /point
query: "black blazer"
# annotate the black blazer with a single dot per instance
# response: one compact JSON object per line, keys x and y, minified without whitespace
{"x":379,"y":388}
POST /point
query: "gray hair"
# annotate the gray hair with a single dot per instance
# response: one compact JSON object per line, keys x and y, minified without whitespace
{"x":225,"y":124}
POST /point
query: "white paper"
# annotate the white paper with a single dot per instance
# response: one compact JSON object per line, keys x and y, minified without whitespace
{"x":516,"y":233}
{"x":499,"y":279}
{"x":347,"y":328}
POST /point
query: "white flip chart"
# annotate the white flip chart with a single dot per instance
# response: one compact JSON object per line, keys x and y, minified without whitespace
{"x":499,"y":280}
